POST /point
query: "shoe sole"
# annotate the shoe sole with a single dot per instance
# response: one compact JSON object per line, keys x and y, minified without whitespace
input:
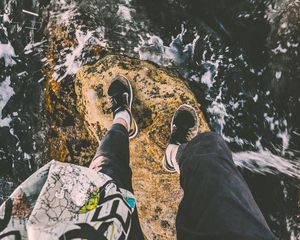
{"x":164,"y":162}
{"x":130,"y":105}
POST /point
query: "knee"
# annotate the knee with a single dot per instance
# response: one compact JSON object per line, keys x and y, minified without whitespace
{"x":210,"y":142}
{"x":211,"y":137}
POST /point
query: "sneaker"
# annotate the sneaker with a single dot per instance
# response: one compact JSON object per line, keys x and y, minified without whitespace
{"x":121,"y":95}
{"x":184,"y":127}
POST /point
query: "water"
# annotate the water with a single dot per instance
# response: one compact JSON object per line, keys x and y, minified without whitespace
{"x":220,"y":49}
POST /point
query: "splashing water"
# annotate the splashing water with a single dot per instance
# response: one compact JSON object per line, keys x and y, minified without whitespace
{"x":229,"y":86}
{"x":151,"y":47}
{"x":265,"y":162}
{"x":177,"y":53}
{"x":262,"y":161}
{"x":6,"y":93}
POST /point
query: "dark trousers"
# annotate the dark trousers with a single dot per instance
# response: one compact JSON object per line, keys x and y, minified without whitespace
{"x":114,"y":150}
{"x":217,"y":202}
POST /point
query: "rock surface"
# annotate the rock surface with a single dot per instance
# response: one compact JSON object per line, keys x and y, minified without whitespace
{"x":78,"y":116}
{"x":283,"y":41}
{"x":157,"y":96}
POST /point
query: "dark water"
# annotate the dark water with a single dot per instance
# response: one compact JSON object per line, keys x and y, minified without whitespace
{"x":221,"y":48}
{"x":20,"y":94}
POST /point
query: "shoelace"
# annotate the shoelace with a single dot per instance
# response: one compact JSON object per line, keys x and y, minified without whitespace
{"x":119,"y":100}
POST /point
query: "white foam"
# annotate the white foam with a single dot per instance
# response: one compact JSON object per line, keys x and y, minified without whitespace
{"x":7,"y":52}
{"x":22,"y":73}
{"x":207,"y":79}
{"x":270,"y":121}
{"x":279,"y":49}
{"x":6,"y":18}
{"x":218,"y":109}
{"x":6,"y":92}
{"x":127,"y":2}
{"x":284,"y":25}
{"x":258,"y":144}
{"x":30,"y":46}
{"x":30,"y":13}
{"x":153,"y":49}
{"x":293,"y":45}
{"x":266,"y":162}
{"x":124,"y":12}
{"x":278,"y":74}
{"x":65,"y":12}
{"x":285,"y":137}
{"x":255,"y":98}
{"x":73,"y":61}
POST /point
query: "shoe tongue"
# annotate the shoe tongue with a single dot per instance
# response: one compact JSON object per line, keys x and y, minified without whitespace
{"x":120,"y":99}
{"x":120,"y":102}
{"x":116,"y":88}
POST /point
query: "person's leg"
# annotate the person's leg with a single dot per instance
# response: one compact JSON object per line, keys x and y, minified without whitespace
{"x":217,"y":202}
{"x":112,"y":157}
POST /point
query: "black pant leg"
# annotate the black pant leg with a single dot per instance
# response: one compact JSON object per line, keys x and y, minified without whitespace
{"x":217,"y":202}
{"x":114,"y":154}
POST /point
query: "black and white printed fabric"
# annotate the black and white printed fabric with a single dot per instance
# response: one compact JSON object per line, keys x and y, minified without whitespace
{"x":65,"y":201}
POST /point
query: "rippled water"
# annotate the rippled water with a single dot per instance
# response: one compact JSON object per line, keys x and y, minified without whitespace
{"x":220,"y":49}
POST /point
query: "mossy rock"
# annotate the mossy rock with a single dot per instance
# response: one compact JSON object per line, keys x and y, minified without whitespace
{"x":157,"y":94}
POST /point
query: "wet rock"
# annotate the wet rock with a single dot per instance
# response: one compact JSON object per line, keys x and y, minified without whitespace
{"x":284,"y":47}
{"x":158,"y":93}
{"x":79,"y":116}
{"x":68,"y":138}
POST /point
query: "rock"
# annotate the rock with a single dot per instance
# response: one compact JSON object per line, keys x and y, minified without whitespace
{"x":158,"y":94}
{"x":284,"y":47}
{"x":79,"y":116}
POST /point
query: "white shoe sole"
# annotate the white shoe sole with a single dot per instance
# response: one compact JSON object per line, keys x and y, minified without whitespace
{"x":130,"y":104}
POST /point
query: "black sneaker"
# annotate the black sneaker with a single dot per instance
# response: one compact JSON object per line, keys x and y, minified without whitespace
{"x":184,"y":127}
{"x":121,"y":95}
